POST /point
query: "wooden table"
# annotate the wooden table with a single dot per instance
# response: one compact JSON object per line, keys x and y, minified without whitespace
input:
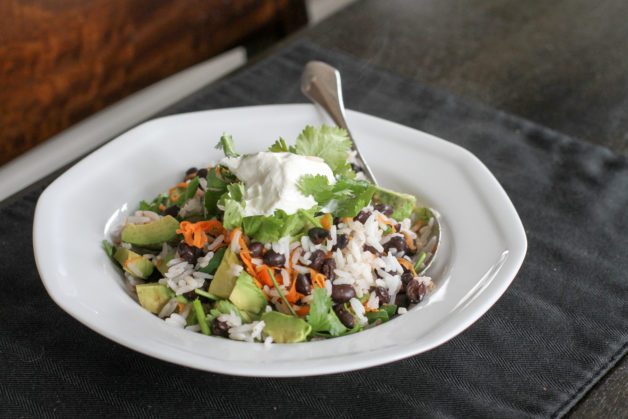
{"x":562,"y":64}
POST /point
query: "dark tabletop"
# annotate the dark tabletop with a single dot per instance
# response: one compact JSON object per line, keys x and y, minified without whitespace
{"x":562,"y":64}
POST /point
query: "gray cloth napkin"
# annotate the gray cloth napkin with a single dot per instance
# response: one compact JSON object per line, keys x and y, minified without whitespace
{"x":559,"y":327}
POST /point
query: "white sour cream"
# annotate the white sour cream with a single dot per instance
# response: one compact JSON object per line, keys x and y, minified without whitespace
{"x":270,"y":180}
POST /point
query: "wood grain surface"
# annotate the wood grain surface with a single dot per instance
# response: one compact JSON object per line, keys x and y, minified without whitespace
{"x":62,"y":60}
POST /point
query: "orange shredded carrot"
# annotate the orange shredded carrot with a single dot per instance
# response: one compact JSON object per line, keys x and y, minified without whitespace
{"x":162,"y":207}
{"x":347,"y":219}
{"x":302,"y":310}
{"x":407,"y":264}
{"x":263,"y":276}
{"x":195,"y":234}
{"x":293,"y":295}
{"x":409,"y":241}
{"x":388,"y":222}
{"x":318,"y":279}
{"x":173,"y":198}
{"x":326,"y":221}
{"x":367,"y":308}
{"x":129,"y":261}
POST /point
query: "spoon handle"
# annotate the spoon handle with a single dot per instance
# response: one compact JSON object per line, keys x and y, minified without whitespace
{"x":321,"y":83}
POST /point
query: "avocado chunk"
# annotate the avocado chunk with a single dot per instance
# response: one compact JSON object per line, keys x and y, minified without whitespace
{"x":133,"y":263}
{"x":158,"y":231}
{"x":224,"y":280}
{"x":153,"y":297}
{"x":247,"y":296}
{"x":162,"y":265}
{"x":284,"y":328}
{"x":402,"y":203}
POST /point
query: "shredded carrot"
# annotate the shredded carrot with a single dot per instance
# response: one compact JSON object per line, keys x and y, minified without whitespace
{"x":129,"y":261}
{"x":388,"y":222}
{"x":263,"y":276}
{"x":326,"y":221}
{"x":174,"y":197}
{"x":162,"y":207}
{"x":367,"y":308}
{"x":318,"y":279}
{"x":293,"y":295}
{"x":302,"y":310}
{"x":347,"y":219}
{"x":409,"y":241}
{"x":407,"y":264}
{"x":195,"y":234}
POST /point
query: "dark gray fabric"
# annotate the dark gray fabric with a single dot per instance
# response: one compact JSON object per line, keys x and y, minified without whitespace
{"x":560,"y":326}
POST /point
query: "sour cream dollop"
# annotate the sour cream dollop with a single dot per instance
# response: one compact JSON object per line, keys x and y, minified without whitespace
{"x":270,"y":180}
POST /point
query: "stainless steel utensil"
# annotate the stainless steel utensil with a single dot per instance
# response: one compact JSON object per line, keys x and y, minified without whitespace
{"x":320,"y":82}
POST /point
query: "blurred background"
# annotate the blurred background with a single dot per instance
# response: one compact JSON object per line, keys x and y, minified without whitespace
{"x":64,"y":60}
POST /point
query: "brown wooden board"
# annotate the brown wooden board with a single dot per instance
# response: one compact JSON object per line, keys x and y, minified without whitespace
{"x":62,"y":60}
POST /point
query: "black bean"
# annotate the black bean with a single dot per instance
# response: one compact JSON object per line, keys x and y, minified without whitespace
{"x":342,"y":293}
{"x":416,"y":291}
{"x":190,"y":171}
{"x":342,"y":240}
{"x":220,"y":328}
{"x":172,"y":210}
{"x":189,"y":253}
{"x":362,"y":216}
{"x":356,"y":168}
{"x":328,"y":268}
{"x":398,"y":227}
{"x":190,"y":295}
{"x":387,"y":210}
{"x":344,"y":316}
{"x":401,"y":300}
{"x":337,"y":220}
{"x":256,"y":249}
{"x":406,"y":277}
{"x":272,"y":258}
{"x":202,"y":173}
{"x":398,"y":243}
{"x":383,"y":295}
{"x":369,"y":248}
{"x":317,"y":258}
{"x":304,"y":284}
{"x":317,"y":235}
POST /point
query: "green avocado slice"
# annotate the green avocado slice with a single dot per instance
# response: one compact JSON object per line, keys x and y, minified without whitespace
{"x":247,"y":296}
{"x":153,"y":297}
{"x":133,"y":263}
{"x":158,"y":231}
{"x":224,"y":280}
{"x":284,"y":328}
{"x":403,"y":204}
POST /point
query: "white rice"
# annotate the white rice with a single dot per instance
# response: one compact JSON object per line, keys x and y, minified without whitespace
{"x":217,"y":242}
{"x":176,"y":320}
{"x":203,"y":261}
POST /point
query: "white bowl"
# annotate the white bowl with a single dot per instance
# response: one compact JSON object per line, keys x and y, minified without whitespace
{"x":482,"y":248}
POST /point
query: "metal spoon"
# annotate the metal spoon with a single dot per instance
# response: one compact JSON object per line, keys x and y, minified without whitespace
{"x":320,"y":82}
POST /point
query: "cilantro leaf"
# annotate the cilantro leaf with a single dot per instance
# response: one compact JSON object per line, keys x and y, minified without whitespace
{"x":276,"y":226}
{"x":280,"y":146}
{"x":189,"y":192}
{"x":226,"y":144}
{"x":216,"y":188}
{"x":233,"y":203}
{"x":344,"y":199}
{"x":322,"y":317}
{"x":161,"y":199}
{"x":319,"y":310}
{"x":332,"y":144}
